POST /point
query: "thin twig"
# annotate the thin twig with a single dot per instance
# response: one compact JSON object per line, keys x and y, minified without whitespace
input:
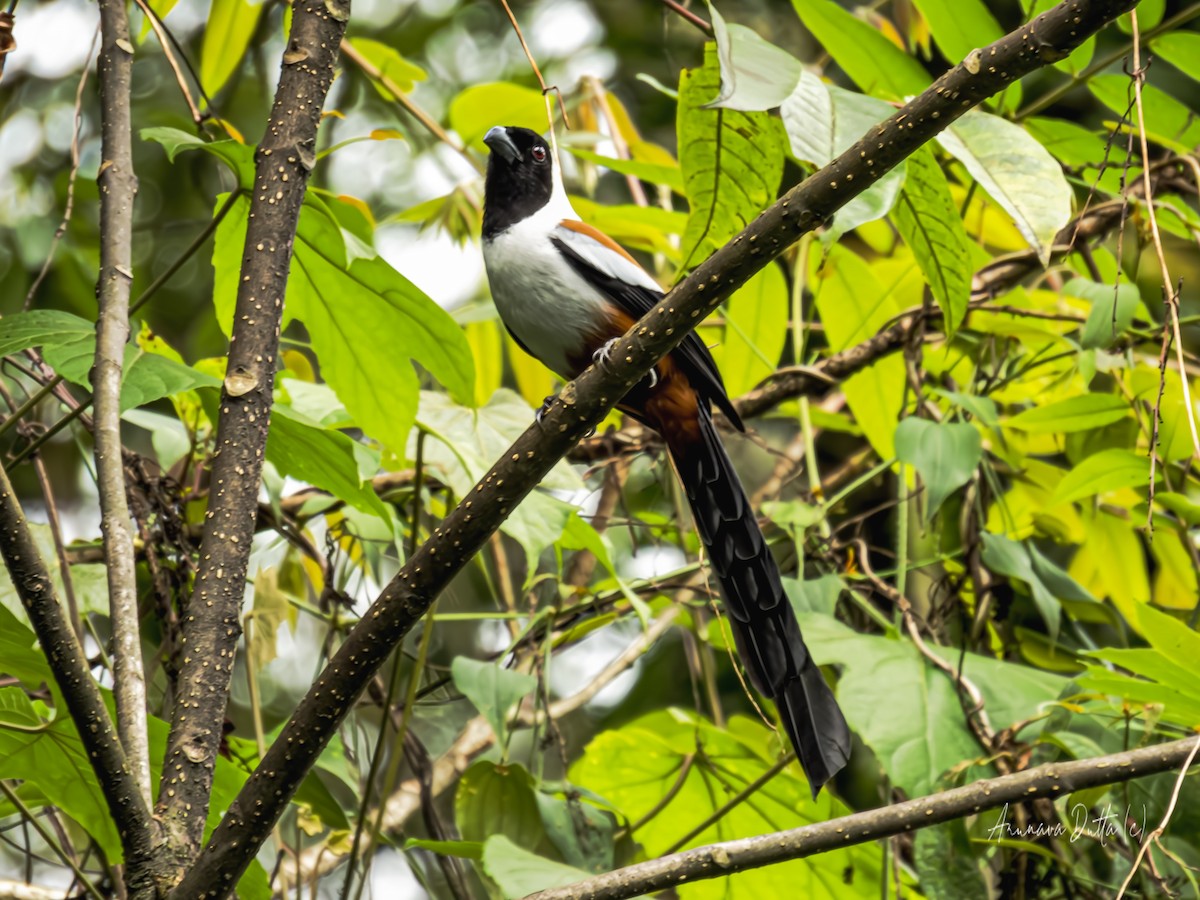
{"x":168,"y":52}
{"x":1166,"y":819}
{"x":687,"y":15}
{"x":562,"y":107}
{"x":76,"y":128}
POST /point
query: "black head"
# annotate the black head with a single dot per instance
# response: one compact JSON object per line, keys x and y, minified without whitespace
{"x":520,"y":177}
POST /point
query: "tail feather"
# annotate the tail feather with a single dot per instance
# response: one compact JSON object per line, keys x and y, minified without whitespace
{"x":763,"y":624}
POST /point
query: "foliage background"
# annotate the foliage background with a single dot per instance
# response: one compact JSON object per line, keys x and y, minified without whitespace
{"x":1009,"y":506}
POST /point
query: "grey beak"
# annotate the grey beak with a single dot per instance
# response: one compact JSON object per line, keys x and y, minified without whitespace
{"x":497,"y":138}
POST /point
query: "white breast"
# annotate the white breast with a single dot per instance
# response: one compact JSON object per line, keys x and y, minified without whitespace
{"x":541,"y":299}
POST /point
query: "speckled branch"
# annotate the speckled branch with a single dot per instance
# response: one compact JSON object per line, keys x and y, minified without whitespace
{"x":118,"y":185}
{"x":73,"y":677}
{"x":728,"y":857}
{"x":211,"y":624}
{"x":587,"y":399}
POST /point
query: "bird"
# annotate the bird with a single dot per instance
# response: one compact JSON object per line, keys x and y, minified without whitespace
{"x":567,"y":293}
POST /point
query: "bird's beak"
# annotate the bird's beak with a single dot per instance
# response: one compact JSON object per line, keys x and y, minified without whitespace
{"x":497,"y":138}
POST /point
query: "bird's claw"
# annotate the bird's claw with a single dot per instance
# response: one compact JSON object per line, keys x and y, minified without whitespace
{"x":605,"y":353}
{"x":545,"y":408}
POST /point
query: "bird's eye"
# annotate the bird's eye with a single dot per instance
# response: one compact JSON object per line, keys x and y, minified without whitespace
{"x":538,"y":154}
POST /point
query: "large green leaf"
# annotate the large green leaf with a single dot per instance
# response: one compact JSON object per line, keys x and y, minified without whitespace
{"x":41,"y":328}
{"x":325,"y":458}
{"x":367,"y":322}
{"x":873,"y":62}
{"x":230,"y":27}
{"x":945,"y":454}
{"x":387,"y":59}
{"x":239,"y":157}
{"x":910,"y":713}
{"x":1108,"y":470}
{"x":1016,"y":171}
{"x":520,"y":873}
{"x":732,"y":162}
{"x":755,"y":330}
{"x":928,"y":220}
{"x":1181,"y":49}
{"x":1048,"y":584}
{"x":478,"y":108}
{"x":146,"y":376}
{"x":1112,"y":310}
{"x":855,"y":302}
{"x":492,"y":689}
{"x":469,"y":440}
{"x":823,"y":121}
{"x":492,"y":799}
{"x":1080,"y":413}
{"x":639,"y":769}
{"x":1168,"y":122}
{"x":755,"y":74}
{"x":959,"y":26}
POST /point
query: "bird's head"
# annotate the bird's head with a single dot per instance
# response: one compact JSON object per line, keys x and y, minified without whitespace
{"x":520,"y":174}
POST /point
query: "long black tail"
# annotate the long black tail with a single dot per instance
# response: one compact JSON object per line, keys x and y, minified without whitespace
{"x":764,"y":626}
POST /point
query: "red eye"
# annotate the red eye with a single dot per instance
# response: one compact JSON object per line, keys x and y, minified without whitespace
{"x":538,"y":154}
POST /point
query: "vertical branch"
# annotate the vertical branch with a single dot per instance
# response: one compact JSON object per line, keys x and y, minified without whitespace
{"x":211,"y":624}
{"x":118,"y":184}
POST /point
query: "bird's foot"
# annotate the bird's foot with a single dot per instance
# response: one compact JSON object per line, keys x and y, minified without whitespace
{"x":545,"y":408}
{"x":604,"y":354}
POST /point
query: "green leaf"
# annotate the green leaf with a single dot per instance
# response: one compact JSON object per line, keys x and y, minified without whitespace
{"x":755,"y":74}
{"x":959,"y":26}
{"x":325,"y":458}
{"x":655,"y":173}
{"x":873,"y":62}
{"x":462,"y":849}
{"x":639,"y":769}
{"x":1068,"y":142}
{"x":368,"y":323}
{"x":908,"y":712}
{"x":854,"y":303}
{"x":945,"y":454}
{"x":928,"y":220}
{"x":238,"y":157}
{"x":822,"y":122}
{"x":732,"y":162}
{"x":1173,"y":639}
{"x":1181,"y":49}
{"x":469,"y":440}
{"x":755,"y":330}
{"x":814,"y":595}
{"x":579,"y":831}
{"x":391,"y":65}
{"x":1108,"y":470}
{"x":1080,"y":413}
{"x":946,"y":864}
{"x":1168,"y":122}
{"x":227,"y":35}
{"x":1183,"y":506}
{"x":1048,"y":584}
{"x":41,"y":328}
{"x":520,"y":873}
{"x":493,"y":690}
{"x":480,"y":107}
{"x":1016,"y":171}
{"x":146,"y":377}
{"x":498,"y":800}
{"x":1112,"y":310}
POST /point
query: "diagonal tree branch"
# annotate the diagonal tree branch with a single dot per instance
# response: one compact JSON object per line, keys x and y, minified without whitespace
{"x":73,"y":677}
{"x":585,"y":401}
{"x":211,"y":621}
{"x":719,"y":860}
{"x":118,"y":185}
